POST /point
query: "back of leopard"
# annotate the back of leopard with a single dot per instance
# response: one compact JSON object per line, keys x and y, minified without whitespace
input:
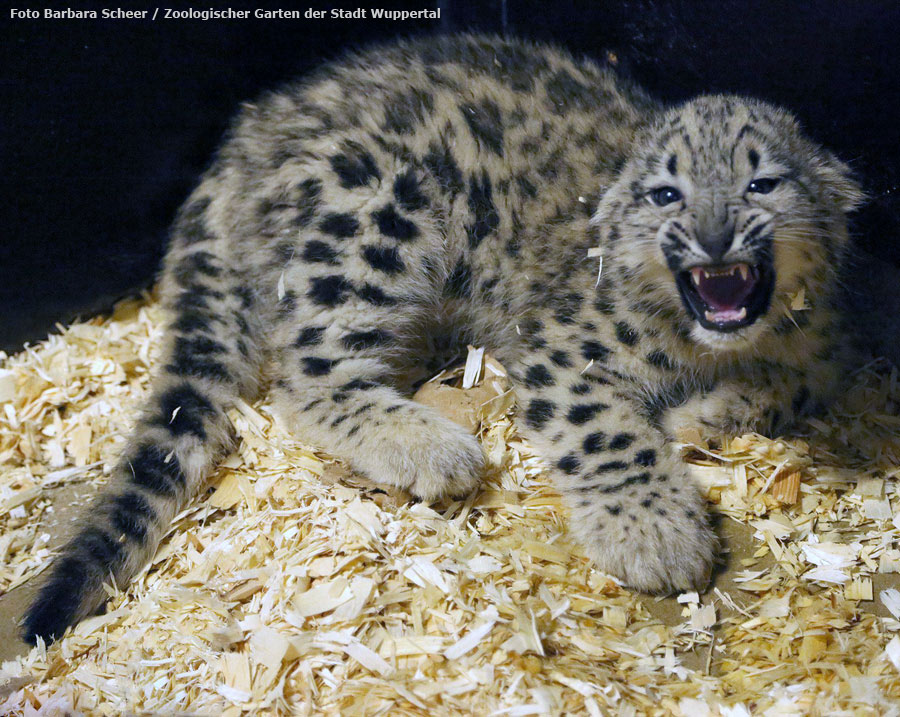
{"x":418,"y":197}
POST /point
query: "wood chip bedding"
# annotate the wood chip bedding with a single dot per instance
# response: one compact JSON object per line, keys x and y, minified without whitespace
{"x":293,"y":587}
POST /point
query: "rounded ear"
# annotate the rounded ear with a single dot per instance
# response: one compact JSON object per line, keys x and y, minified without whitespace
{"x":612,"y":196}
{"x":838,"y":182}
{"x":608,"y":210}
{"x":603,"y":212}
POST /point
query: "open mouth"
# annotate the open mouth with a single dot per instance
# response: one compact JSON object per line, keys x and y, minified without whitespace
{"x":726,"y":298}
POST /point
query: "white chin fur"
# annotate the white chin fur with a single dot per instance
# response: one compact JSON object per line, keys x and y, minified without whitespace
{"x":733,"y":341}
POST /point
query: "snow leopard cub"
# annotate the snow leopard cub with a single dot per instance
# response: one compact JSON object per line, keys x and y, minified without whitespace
{"x":417,"y":197}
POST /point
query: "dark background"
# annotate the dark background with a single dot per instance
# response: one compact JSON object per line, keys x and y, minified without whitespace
{"x":106,"y":124}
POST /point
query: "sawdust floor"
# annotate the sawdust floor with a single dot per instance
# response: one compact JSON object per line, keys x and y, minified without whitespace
{"x":294,"y":587}
{"x":67,"y":501}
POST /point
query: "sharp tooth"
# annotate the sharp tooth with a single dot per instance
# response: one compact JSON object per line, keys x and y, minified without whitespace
{"x":741,"y":315}
{"x":744,"y":270}
{"x":705,"y":273}
{"x":695,"y":275}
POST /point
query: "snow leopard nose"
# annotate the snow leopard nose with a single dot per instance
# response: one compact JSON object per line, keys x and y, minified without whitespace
{"x":717,"y":242}
{"x":715,"y":229}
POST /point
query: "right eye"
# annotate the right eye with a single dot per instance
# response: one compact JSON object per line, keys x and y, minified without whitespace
{"x":763,"y":185}
{"x":664,"y":195}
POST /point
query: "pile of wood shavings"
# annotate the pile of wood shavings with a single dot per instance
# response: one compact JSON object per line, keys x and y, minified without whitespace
{"x":293,"y":587}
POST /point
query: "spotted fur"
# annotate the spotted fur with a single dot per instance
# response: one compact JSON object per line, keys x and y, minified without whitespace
{"x":360,"y":226}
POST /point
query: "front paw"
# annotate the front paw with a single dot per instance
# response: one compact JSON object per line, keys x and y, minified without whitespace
{"x":706,"y":415}
{"x":659,"y":542}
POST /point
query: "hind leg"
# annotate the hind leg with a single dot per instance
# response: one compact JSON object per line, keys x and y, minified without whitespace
{"x":357,"y":282}
{"x":334,"y":389}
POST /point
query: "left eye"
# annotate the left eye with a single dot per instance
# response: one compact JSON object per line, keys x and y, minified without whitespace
{"x":664,"y":195}
{"x":763,"y":186}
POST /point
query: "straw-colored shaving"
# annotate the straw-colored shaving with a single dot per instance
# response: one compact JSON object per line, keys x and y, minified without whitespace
{"x":293,"y":587}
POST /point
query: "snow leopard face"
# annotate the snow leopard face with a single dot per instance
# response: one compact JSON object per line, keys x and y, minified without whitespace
{"x":727,"y":213}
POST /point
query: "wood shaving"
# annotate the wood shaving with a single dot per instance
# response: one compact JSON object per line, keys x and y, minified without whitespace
{"x":294,"y":587}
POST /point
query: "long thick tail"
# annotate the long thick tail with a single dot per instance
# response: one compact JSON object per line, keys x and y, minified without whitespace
{"x":209,"y":360}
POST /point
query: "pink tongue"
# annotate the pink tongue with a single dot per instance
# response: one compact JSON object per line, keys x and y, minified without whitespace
{"x":725,"y":292}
